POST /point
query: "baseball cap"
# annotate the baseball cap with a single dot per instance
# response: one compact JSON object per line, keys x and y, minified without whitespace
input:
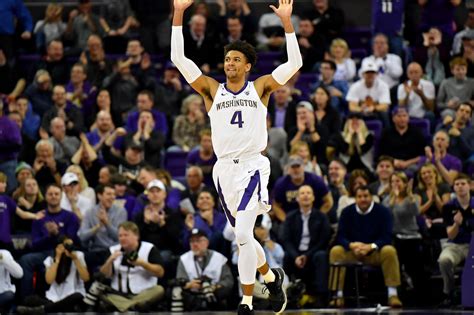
{"x":69,"y":178}
{"x":305,"y":104}
{"x":156,"y":183}
{"x":295,"y":161}
{"x":198,"y":232}
{"x":398,"y":109}
{"x":369,"y":67}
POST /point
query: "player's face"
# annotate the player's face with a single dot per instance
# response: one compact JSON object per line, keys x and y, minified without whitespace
{"x":236,"y":65}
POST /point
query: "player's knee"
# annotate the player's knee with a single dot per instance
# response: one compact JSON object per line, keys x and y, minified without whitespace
{"x":243,"y":237}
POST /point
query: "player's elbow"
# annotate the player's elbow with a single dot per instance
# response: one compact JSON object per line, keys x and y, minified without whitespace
{"x":299,"y":62}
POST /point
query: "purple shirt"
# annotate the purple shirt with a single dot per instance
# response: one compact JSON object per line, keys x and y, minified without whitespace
{"x":7,"y":212}
{"x":199,"y":223}
{"x":280,"y":114}
{"x":285,"y":191}
{"x":161,"y":123}
{"x":387,"y":16}
{"x":68,"y":225}
{"x":10,"y":139}
{"x":206,"y":165}
{"x":87,"y":105}
{"x":449,"y":161}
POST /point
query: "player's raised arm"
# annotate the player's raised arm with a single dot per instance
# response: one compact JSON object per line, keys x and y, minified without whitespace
{"x":204,"y":85}
{"x":285,"y":71}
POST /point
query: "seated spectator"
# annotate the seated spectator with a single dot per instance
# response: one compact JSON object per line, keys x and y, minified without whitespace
{"x":207,"y":219}
{"x":306,"y":234}
{"x":93,"y":57}
{"x":417,"y":94}
{"x":103,"y":103}
{"x":357,"y":178}
{"x":51,"y":27}
{"x":309,"y":130}
{"x":240,"y":9}
{"x":194,"y":186}
{"x":354,"y":145}
{"x":106,"y":173}
{"x":135,"y":260}
{"x":402,"y":142}
{"x":433,"y":55}
{"x":203,"y":156}
{"x":145,"y":101}
{"x":271,"y":35}
{"x":340,"y":54}
{"x":311,"y":44}
{"x":301,"y":149}
{"x":30,"y":199}
{"x":171,"y":90}
{"x":336,"y":181}
{"x":467,"y":31}
{"x":80,"y":92}
{"x":461,"y":133}
{"x":10,"y":145}
{"x":147,"y":136}
{"x":99,"y":228}
{"x":455,"y":90}
{"x":104,"y":127}
{"x":71,"y":200}
{"x":173,"y":188}
{"x":388,"y":66}
{"x":208,"y":288}
{"x":370,"y":95}
{"x":328,"y":20}
{"x":286,"y":189}
{"x":448,"y":165}
{"x":160,"y":225}
{"x":383,"y":171}
{"x":141,"y":66}
{"x":71,"y":115}
{"x":190,"y":123}
{"x":64,"y":146}
{"x":458,"y":216}
{"x":54,"y":62}
{"x":47,"y":169}
{"x":337,"y":89}
{"x":468,"y":52}
{"x":30,"y":121}
{"x":282,"y":109}
{"x":45,"y":234}
{"x":23,"y":171}
{"x":389,"y":19}
{"x":27,"y":148}
{"x":276,"y":151}
{"x":9,"y":268}
{"x":39,"y":92}
{"x":364,"y":234}
{"x":234,"y":33}
{"x":123,"y":196}
{"x":406,"y":236}
{"x":84,"y":189}
{"x":65,"y":273}
{"x":432,"y":194}
{"x":81,"y":25}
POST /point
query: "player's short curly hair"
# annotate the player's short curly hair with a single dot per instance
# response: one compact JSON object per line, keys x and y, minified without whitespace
{"x":245,"y":48}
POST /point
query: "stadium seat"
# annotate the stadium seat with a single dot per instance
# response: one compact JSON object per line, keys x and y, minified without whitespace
{"x":423,"y":125}
{"x":175,"y":163}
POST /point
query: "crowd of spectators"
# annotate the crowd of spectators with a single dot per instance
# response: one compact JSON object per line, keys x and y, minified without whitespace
{"x":372,"y":161}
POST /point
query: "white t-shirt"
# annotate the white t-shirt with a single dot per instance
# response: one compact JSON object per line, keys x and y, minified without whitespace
{"x":8,"y":267}
{"x":72,"y":284}
{"x":379,"y":92}
{"x":84,"y":204}
{"x":415,"y":103}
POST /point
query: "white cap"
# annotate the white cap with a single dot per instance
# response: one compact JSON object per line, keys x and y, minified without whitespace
{"x":156,"y":183}
{"x":69,"y":178}
{"x":369,"y":66}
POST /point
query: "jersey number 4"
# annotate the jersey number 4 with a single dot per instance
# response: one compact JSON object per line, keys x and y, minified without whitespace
{"x":237,"y":119}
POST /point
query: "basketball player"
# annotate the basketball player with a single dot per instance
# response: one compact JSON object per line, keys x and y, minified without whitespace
{"x":238,"y":110}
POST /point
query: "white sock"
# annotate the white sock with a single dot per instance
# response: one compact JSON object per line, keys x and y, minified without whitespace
{"x":340,"y":294}
{"x":269,"y":276}
{"x":247,"y":299}
{"x":392,"y":291}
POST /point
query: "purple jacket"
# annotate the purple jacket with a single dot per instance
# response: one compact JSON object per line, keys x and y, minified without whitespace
{"x":10,"y":139}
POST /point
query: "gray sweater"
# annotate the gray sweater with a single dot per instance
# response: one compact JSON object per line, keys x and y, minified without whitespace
{"x":451,"y":88}
{"x":404,"y":217}
{"x":105,"y":236}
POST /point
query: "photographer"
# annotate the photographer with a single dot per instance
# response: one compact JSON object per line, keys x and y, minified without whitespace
{"x":203,"y":276}
{"x":66,"y":273}
{"x":134,"y":267}
{"x":8,"y":267}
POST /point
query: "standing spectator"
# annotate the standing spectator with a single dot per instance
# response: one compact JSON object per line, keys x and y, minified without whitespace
{"x":71,"y":200}
{"x":301,"y":149}
{"x":370,"y":95}
{"x":45,"y":234}
{"x":438,"y":13}
{"x":86,"y":159}
{"x":271,"y":35}
{"x":383,"y":171}
{"x":64,"y":146}
{"x":14,"y":11}
{"x":203,"y":156}
{"x":465,"y":33}
{"x":82,"y":24}
{"x":306,"y":234}
{"x":338,"y":89}
{"x":28,"y":121}
{"x":194,"y":186}
{"x":468,"y":52}
{"x":10,"y":145}
{"x":364,"y":234}
{"x":116,"y":19}
{"x":39,"y":92}
{"x":458,"y":215}
{"x":47,"y":169}
{"x":55,"y":63}
{"x":387,"y":18}
{"x":402,"y":142}
{"x":240,"y":9}
{"x":235,"y":32}
{"x":286,"y":189}
{"x":99,"y":229}
{"x":190,"y":123}
{"x":84,"y":189}
{"x":311,"y":44}
{"x":104,"y":127}
{"x":455,"y":90}
{"x":30,"y":199}
{"x":337,"y":172}
{"x":389,"y":66}
{"x":172,"y":92}
{"x":432,"y":55}
{"x":50,"y":28}
{"x":123,"y":195}
{"x":417,"y":94}
{"x":340,"y":54}
{"x":93,"y":57}
{"x":80,"y":92}
{"x":328,"y":20}
{"x":146,"y":101}
{"x":8,"y":268}
{"x":12,"y":82}
{"x":448,"y":165}
{"x":141,"y":66}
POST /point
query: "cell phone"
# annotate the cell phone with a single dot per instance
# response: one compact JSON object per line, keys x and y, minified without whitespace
{"x":187,"y":205}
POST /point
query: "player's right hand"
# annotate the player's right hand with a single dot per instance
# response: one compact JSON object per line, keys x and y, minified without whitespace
{"x":182,"y":4}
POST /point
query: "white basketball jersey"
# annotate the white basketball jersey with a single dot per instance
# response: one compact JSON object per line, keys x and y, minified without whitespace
{"x":238,"y":122}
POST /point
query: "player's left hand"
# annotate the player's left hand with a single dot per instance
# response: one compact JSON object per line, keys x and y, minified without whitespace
{"x":285,"y":7}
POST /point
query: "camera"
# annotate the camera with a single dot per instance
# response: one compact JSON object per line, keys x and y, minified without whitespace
{"x":129,"y":256}
{"x":208,"y":290}
{"x":70,"y":247}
